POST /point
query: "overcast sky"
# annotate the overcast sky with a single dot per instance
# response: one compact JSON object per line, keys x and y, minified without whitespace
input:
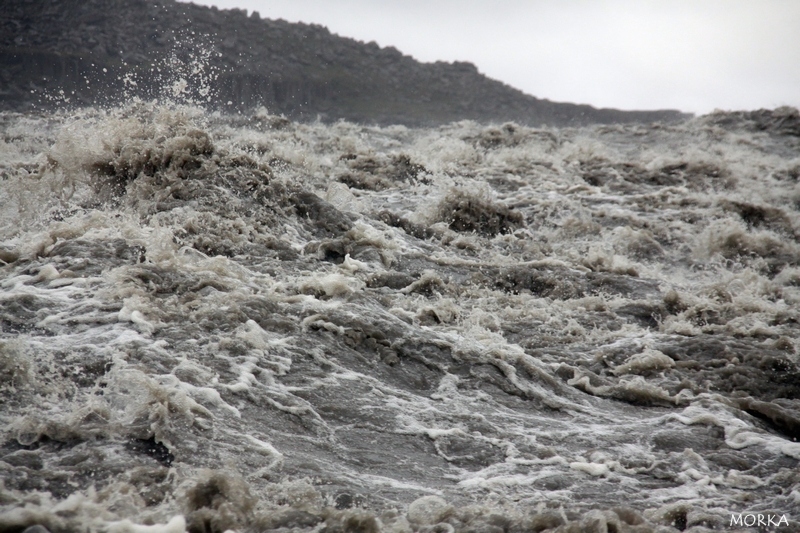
{"x":692,"y":55}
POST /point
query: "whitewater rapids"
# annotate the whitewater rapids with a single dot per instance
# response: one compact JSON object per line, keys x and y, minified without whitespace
{"x":213,"y":322}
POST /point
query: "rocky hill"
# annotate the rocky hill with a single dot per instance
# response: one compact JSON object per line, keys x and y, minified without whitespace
{"x":104,"y":51}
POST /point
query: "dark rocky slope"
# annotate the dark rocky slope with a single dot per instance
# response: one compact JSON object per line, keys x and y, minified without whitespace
{"x":86,"y":48}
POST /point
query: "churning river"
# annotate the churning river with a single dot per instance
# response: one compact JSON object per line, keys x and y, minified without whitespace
{"x":237,"y":322}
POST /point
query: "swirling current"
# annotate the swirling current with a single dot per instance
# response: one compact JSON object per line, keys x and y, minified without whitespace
{"x":217,"y":322}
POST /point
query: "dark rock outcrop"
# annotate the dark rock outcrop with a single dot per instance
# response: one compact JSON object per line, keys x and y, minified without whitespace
{"x":87,"y":48}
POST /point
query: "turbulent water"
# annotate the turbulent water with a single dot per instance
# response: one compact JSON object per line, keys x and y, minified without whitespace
{"x":213,"y":323}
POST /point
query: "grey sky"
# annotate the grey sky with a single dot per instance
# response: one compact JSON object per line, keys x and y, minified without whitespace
{"x":693,"y":55}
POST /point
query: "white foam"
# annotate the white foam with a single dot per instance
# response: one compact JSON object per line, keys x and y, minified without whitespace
{"x":647,"y":360}
{"x":593,"y":469}
{"x":177,"y":524}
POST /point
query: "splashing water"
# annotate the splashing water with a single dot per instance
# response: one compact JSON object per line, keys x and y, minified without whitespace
{"x":213,"y":322}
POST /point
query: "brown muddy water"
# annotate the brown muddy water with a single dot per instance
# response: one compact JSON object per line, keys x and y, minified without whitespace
{"x":213,"y":323}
